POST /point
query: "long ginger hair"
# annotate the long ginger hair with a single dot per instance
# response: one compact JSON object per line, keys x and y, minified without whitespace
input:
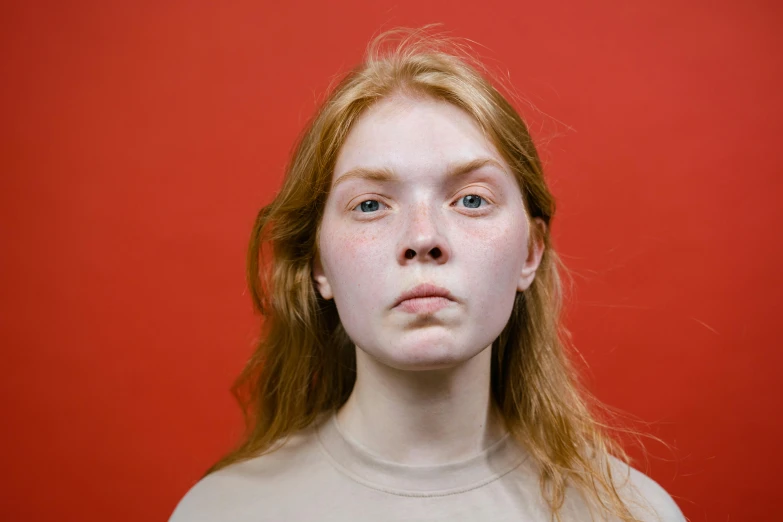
{"x":305,"y":364}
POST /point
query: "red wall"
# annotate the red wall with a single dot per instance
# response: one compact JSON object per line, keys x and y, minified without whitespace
{"x":140,"y":138}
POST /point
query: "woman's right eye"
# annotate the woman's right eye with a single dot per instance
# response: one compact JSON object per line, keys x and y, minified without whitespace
{"x":369,"y":205}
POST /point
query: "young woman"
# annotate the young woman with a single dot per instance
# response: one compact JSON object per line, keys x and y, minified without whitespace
{"x":412,"y":365}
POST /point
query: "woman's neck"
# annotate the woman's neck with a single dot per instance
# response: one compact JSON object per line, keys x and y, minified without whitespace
{"x":426,"y":417}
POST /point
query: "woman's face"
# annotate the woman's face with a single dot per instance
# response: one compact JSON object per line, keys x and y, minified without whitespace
{"x":420,"y":197}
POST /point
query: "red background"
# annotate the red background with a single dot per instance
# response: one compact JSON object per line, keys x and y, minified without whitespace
{"x":139,"y":139}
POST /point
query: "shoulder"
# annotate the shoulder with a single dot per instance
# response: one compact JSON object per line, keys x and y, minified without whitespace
{"x":253,"y":489}
{"x":210,"y":498}
{"x":646,"y":498}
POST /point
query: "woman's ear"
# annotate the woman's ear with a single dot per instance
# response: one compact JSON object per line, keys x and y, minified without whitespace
{"x":535,"y":252}
{"x":321,"y":282}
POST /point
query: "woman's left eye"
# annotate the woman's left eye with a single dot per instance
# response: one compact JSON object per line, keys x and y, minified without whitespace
{"x":472,"y":201}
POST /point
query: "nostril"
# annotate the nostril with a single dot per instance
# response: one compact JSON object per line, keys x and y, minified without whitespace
{"x":436,"y":253}
{"x":409,"y":254}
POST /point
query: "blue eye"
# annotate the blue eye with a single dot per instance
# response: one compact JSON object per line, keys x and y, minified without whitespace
{"x":472,"y":201}
{"x":370,"y":205}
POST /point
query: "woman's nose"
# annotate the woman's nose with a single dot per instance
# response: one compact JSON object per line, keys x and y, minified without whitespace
{"x":423,"y":239}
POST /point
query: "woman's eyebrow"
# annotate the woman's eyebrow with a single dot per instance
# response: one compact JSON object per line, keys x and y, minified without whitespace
{"x":387,"y":175}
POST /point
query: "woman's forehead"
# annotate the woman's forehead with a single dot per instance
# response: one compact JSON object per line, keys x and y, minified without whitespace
{"x":403,"y":135}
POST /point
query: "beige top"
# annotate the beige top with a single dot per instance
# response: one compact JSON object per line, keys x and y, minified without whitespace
{"x":320,"y":474}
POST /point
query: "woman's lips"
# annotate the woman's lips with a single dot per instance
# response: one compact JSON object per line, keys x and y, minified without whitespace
{"x":424,"y":305}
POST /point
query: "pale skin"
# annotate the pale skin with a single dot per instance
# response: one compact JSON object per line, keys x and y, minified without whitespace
{"x":422,"y":393}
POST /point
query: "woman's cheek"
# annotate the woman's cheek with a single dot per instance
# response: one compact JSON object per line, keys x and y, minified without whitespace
{"x":356,"y":240}
{"x":352,"y":250}
{"x":500,"y":246}
{"x":494,"y":233}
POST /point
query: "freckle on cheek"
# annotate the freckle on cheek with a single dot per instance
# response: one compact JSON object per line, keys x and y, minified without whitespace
{"x":356,"y":242}
{"x":362,"y":238}
{"x":486,"y":235}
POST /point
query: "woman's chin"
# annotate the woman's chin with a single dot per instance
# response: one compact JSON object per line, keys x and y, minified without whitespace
{"x":423,"y":357}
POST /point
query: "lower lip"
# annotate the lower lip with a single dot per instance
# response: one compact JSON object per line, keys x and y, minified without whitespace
{"x":424,"y":305}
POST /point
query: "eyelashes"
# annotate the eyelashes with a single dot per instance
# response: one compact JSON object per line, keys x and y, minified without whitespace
{"x":471,"y":201}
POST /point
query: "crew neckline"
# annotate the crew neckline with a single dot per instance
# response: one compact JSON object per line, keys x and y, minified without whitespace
{"x":357,"y":462}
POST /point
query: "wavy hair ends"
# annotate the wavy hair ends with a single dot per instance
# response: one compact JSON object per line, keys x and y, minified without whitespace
{"x":304,"y":364}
